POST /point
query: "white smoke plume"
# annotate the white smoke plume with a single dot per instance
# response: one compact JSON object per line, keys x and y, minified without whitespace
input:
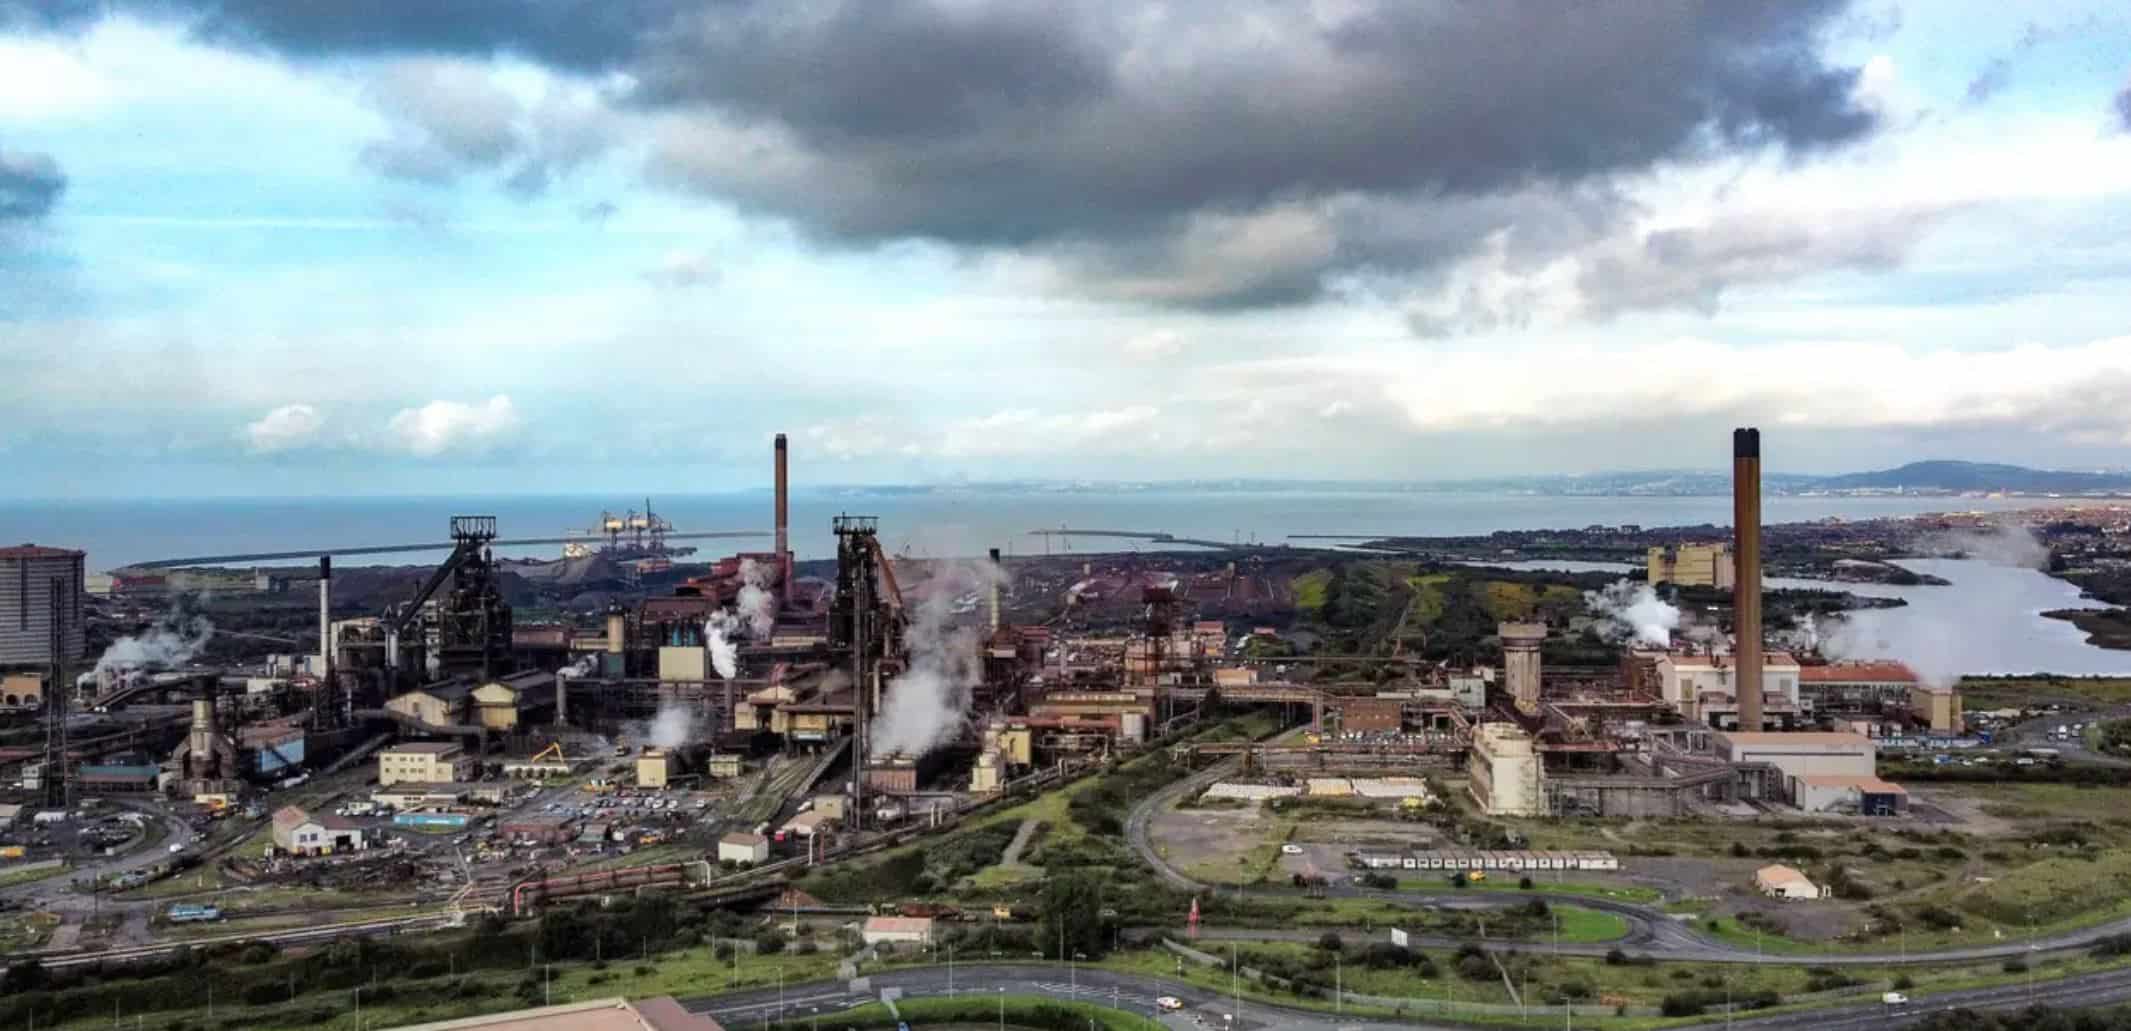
{"x":758,"y":605}
{"x":719,"y":635}
{"x":928,"y":705}
{"x":2004,"y":545}
{"x":1636,"y":614}
{"x":673,"y":726}
{"x":172,"y":641}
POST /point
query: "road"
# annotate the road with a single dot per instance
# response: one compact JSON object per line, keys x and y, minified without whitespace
{"x":1136,"y":993}
{"x":54,"y":895}
{"x":1651,"y":931}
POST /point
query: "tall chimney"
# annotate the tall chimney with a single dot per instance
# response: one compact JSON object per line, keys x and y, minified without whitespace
{"x":1746,"y":590}
{"x":325,"y":618}
{"x":784,"y":521}
{"x":998,"y":573}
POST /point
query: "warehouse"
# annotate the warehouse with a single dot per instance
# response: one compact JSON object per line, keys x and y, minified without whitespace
{"x":742,"y":847}
{"x":1866,"y":796}
{"x":897,"y":930}
{"x":1802,"y":754}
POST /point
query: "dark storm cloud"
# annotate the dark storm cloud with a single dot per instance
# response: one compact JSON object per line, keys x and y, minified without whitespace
{"x":2123,"y":107}
{"x":578,"y":35}
{"x":30,"y":185}
{"x":1195,"y":152}
{"x":1157,"y":110}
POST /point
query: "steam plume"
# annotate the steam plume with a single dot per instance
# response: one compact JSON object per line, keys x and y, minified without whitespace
{"x":172,"y":641}
{"x":718,"y":635}
{"x":1635,"y":612}
{"x":758,"y":606}
{"x":927,"y":706}
{"x":2004,"y":545}
{"x":673,"y":726}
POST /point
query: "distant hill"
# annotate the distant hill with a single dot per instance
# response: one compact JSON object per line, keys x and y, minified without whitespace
{"x":1977,"y":476}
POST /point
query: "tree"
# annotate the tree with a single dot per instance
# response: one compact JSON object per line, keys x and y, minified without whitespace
{"x":1330,"y":942}
{"x":1072,"y":914}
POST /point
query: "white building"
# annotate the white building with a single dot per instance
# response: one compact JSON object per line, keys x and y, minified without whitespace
{"x":1504,"y":771}
{"x":897,"y":930}
{"x":1866,"y":796}
{"x":1782,"y":882}
{"x":1801,"y":754}
{"x":1704,"y":688}
{"x":741,"y":847}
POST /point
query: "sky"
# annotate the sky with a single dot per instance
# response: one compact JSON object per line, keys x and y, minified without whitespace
{"x":251,"y":247}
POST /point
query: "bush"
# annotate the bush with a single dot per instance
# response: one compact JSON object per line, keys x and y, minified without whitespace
{"x":1524,"y":883}
{"x":2015,"y":965}
{"x":1616,"y":958}
{"x":1904,"y":982}
{"x":257,"y":953}
{"x":264,"y":994}
{"x":1330,"y":942}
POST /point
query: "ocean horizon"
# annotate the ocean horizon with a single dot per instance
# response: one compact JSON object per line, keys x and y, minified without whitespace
{"x":928,"y":522}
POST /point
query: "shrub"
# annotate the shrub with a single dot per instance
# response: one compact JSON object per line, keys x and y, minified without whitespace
{"x":1525,"y":883}
{"x":2015,"y":965}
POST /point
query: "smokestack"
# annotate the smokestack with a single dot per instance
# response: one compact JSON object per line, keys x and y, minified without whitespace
{"x":998,"y":571}
{"x":325,"y":617}
{"x":784,"y":521}
{"x":1746,"y":590}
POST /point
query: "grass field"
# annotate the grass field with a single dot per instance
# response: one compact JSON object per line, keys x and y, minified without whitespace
{"x":1979,"y":693}
{"x":1540,"y":977}
{"x":1309,"y":589}
{"x":10,"y":878}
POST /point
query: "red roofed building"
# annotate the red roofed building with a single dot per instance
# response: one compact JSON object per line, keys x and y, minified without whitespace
{"x":1879,"y":686}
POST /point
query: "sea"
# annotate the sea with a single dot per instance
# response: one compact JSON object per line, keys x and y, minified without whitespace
{"x":1988,"y":621}
{"x":928,"y":523}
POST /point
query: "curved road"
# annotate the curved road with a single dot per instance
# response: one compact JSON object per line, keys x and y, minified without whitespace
{"x":1651,"y":931}
{"x":1136,"y":993}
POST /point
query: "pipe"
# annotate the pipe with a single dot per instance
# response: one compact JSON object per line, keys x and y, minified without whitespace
{"x":783,"y":515}
{"x":1746,"y":590}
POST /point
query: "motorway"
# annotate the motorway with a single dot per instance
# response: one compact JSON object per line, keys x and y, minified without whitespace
{"x":1651,"y":931}
{"x":1205,"y":1007}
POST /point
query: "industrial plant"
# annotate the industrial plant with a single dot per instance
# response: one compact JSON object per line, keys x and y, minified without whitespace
{"x":503,"y":732}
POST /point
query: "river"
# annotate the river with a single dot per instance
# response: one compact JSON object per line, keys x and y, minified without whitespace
{"x":1988,"y":621}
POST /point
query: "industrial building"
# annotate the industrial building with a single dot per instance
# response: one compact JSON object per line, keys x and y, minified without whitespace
{"x":1835,"y":792}
{"x":654,"y":767}
{"x":742,"y":847}
{"x":1692,"y":565}
{"x":38,"y":587}
{"x":424,"y":762}
{"x":896,"y":930}
{"x":1707,"y":688}
{"x":298,"y":832}
{"x":1505,"y":772}
{"x":1782,"y":882}
{"x":1800,"y":754}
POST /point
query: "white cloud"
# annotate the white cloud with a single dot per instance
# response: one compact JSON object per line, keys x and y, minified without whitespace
{"x":284,"y":429}
{"x":1153,"y":344}
{"x":1336,"y":409}
{"x":682,"y":267}
{"x":451,"y":426}
{"x":2079,"y":393}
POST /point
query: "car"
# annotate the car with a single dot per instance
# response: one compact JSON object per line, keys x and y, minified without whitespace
{"x":1168,"y":1004}
{"x":177,"y":847}
{"x":1895,"y":999}
{"x":1291,"y":850}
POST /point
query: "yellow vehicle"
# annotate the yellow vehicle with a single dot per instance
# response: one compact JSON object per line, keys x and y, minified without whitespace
{"x":1476,"y":875}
